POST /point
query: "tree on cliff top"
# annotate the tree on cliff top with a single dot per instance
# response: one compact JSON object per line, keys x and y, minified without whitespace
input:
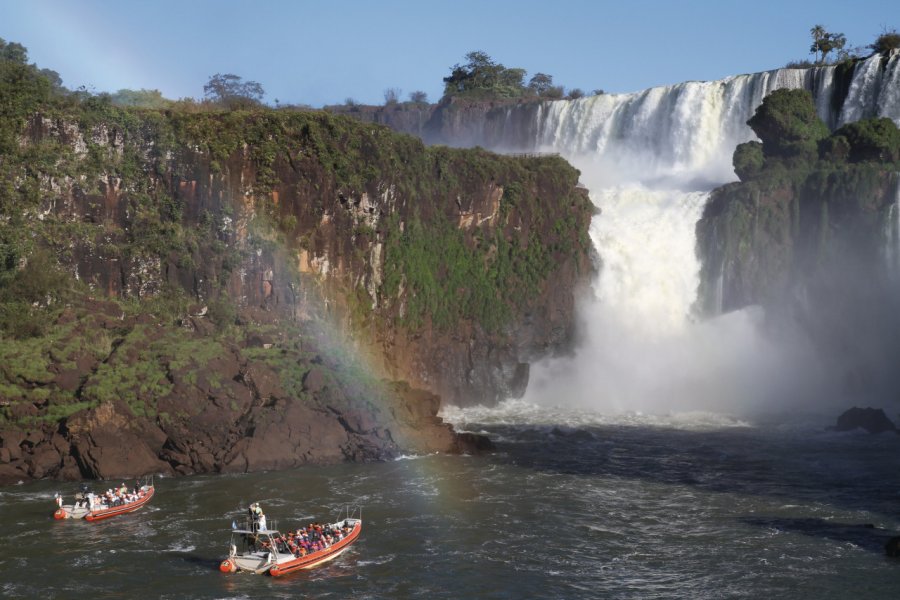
{"x":825,"y":42}
{"x":482,"y":77}
{"x":232,"y":91}
{"x":887,"y":41}
{"x":788,"y":125}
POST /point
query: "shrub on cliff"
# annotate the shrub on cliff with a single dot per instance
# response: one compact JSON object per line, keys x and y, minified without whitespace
{"x":871,"y":140}
{"x":748,"y":160}
{"x":788,"y":125}
{"x":834,"y":149}
{"x":22,"y":88}
{"x":887,"y":41}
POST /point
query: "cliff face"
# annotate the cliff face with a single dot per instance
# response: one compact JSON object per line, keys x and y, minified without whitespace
{"x":811,"y":233}
{"x":227,"y":242}
{"x":763,"y":242}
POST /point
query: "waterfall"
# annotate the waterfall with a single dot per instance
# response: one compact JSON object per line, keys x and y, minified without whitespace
{"x":892,"y":235}
{"x":650,"y":158}
{"x":888,"y":103}
{"x":862,"y":98}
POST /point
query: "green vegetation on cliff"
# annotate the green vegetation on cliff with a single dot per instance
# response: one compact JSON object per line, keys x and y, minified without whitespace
{"x":807,"y":199}
{"x":166,"y":211}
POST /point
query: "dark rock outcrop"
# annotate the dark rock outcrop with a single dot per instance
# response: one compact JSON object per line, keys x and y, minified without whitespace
{"x":892,"y":547}
{"x":222,"y":407}
{"x":872,"y":420}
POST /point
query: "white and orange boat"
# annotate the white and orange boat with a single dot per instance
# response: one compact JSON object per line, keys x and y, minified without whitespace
{"x":259,"y":550}
{"x":96,"y":507}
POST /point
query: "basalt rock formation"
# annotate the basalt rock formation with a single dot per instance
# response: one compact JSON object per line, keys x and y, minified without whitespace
{"x":811,"y":233}
{"x":202,"y":290}
{"x":872,"y":420}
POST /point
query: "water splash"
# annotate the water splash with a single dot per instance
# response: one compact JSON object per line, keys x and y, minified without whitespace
{"x":892,"y":235}
{"x":650,"y":159}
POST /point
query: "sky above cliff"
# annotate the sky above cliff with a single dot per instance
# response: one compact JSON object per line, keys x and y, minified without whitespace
{"x":323,"y":52}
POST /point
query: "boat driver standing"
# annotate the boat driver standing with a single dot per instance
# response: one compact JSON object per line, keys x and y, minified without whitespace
{"x":260,"y":517}
{"x":257,"y":518}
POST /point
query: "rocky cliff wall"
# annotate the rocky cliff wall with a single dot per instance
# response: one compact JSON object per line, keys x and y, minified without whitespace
{"x":810,"y":233}
{"x":450,"y":270}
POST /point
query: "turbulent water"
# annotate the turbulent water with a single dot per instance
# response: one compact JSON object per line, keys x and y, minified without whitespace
{"x":574,"y":504}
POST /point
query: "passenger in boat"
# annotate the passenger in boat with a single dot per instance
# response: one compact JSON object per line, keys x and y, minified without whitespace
{"x":281,"y":546}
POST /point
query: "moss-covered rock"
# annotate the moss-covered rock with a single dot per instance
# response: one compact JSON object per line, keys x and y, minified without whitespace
{"x":788,"y":125}
{"x":450,"y":268}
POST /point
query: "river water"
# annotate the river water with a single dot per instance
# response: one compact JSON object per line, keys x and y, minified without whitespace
{"x":572,"y":505}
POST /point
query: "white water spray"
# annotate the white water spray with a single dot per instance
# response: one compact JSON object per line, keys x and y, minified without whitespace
{"x":649,"y":159}
{"x":892,"y":236}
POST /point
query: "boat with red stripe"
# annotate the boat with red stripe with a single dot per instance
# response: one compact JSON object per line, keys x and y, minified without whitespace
{"x":96,"y":507}
{"x":258,"y":549}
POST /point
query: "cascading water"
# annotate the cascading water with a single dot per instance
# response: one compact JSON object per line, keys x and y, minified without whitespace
{"x":888,"y":99}
{"x":892,"y":235}
{"x":650,"y":159}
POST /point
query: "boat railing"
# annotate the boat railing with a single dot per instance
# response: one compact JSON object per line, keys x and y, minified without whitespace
{"x":249,"y":523}
{"x":348,"y":512}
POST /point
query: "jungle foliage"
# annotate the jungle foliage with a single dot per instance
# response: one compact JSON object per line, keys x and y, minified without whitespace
{"x":59,"y":146}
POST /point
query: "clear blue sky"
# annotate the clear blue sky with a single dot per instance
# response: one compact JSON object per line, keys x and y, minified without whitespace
{"x":322,"y":52}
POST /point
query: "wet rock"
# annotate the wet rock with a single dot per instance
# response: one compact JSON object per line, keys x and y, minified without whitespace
{"x":11,"y":474}
{"x":314,"y":381}
{"x":69,"y":470}
{"x":33,"y":438}
{"x":11,"y":438}
{"x":44,"y":461}
{"x":872,"y":420}
{"x":892,"y":548}
{"x":68,"y":380}
{"x":265,"y":382}
{"x":258,"y":340}
{"x":109,"y":441}
{"x":473,"y":443}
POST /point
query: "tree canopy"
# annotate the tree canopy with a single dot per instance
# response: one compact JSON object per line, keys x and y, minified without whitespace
{"x":140,"y":98}
{"x":482,"y":77}
{"x":232,"y":91}
{"x":887,"y":41}
{"x":825,"y":42}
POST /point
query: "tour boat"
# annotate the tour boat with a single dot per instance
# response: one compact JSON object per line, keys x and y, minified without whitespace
{"x":267,"y":551}
{"x":91,"y":507}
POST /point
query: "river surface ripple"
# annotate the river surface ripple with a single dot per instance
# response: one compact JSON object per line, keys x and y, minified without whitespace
{"x":568,"y":507}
